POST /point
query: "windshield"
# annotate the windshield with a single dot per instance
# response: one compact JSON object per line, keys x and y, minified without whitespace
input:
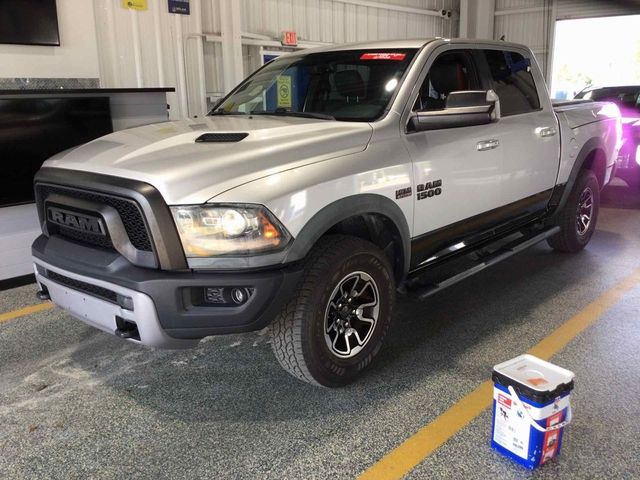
{"x":353,"y":85}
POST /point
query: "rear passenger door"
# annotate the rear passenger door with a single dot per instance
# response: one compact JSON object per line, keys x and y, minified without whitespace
{"x":529,"y":134}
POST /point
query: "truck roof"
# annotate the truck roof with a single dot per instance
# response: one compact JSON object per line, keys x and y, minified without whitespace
{"x":412,"y":43}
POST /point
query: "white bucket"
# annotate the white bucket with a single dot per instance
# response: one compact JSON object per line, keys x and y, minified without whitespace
{"x":531,"y":407}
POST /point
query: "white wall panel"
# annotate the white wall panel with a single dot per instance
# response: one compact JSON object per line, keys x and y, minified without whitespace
{"x":528,"y":22}
{"x":528,"y":28}
{"x":517,"y":4}
{"x":74,"y":58}
{"x":334,"y":21}
{"x":152,"y":49}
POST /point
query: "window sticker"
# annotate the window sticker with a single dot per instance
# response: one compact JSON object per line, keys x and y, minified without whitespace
{"x":284,"y":91}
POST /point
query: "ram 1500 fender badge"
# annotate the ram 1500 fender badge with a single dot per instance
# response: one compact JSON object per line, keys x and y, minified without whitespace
{"x":403,"y":193}
{"x":76,"y":221}
{"x":429,"y":189}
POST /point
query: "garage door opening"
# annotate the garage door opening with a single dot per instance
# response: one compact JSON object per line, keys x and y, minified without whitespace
{"x":595,"y":52}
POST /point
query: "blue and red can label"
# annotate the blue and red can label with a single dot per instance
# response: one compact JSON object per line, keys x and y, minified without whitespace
{"x":513,"y":434}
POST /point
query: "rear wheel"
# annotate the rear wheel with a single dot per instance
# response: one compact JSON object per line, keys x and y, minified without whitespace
{"x":336,"y":322}
{"x":577,"y":220}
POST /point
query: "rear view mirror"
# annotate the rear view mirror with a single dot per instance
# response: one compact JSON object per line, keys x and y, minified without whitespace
{"x":463,"y":109}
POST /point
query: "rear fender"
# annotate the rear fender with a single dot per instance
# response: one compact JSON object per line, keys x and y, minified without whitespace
{"x":561,"y":192}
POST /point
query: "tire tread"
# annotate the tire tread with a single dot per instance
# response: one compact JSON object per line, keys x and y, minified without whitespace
{"x":286,"y":329}
{"x":565,"y":240}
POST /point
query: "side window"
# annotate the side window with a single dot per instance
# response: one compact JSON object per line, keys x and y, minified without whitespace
{"x":451,"y":72}
{"x":513,"y":82}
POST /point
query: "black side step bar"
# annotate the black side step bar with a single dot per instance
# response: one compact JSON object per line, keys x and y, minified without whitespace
{"x":485,"y":260}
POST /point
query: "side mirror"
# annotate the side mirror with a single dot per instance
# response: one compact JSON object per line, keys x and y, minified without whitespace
{"x":463,"y":109}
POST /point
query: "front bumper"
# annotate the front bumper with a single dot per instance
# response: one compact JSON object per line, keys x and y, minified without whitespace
{"x":103,"y":314}
{"x":85,"y":281}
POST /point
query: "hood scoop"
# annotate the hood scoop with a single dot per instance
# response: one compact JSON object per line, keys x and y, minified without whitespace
{"x":221,"y":137}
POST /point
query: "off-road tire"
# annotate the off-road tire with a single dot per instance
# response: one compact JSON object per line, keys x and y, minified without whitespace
{"x":570,"y":239}
{"x":298,"y":332}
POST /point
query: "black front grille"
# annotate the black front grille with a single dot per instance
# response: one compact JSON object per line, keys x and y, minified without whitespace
{"x":128,"y":210}
{"x":92,"y":290}
{"x":85,"y":237}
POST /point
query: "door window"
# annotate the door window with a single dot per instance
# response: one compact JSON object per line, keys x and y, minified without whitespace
{"x":452,"y":71}
{"x":512,"y":82}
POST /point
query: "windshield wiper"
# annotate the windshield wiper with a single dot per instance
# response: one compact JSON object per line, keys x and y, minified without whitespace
{"x":285,"y":113}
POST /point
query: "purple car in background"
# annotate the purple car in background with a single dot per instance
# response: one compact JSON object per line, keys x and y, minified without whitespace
{"x":628,"y":100}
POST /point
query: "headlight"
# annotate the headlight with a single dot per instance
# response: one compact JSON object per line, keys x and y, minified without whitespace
{"x":207,"y":231}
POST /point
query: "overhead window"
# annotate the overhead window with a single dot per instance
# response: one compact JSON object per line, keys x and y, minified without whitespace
{"x":513,"y":82}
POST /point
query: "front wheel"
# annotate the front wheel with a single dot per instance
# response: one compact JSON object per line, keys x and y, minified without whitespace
{"x":577,"y":219}
{"x":335,"y":324}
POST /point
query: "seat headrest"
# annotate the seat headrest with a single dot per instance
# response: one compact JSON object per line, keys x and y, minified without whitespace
{"x":349,"y":83}
{"x":446,"y":78}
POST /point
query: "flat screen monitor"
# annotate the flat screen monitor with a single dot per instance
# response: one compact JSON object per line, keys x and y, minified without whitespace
{"x":34,"y":129}
{"x":29,"y":22}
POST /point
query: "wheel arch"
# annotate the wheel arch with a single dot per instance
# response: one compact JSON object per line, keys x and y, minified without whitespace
{"x":592,"y":157}
{"x":369,"y":216}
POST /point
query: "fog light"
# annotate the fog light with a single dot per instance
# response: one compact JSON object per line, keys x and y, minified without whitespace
{"x":238,"y":296}
{"x":221,"y":296}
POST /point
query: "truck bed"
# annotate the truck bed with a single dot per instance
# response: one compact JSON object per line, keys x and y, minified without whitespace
{"x":582,"y":112}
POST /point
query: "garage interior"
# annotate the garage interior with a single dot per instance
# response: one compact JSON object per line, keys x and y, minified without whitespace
{"x":78,"y":403}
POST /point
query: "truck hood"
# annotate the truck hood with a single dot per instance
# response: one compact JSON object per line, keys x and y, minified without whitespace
{"x":167,"y":156}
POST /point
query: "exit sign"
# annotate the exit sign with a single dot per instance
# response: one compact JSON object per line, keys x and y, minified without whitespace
{"x":289,"y":39}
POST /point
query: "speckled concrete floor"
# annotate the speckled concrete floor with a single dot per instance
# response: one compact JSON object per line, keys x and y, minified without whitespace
{"x":77,"y":403}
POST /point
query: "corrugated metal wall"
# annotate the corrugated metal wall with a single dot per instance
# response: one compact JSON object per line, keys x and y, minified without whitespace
{"x":334,"y":21}
{"x":155,"y":48}
{"x":525,"y":21}
{"x":151,"y":49}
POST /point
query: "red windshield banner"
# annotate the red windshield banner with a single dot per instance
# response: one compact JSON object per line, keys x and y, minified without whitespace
{"x":383,"y":56}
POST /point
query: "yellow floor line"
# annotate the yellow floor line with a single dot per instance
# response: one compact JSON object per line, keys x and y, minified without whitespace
{"x":38,"y":307}
{"x":401,"y":460}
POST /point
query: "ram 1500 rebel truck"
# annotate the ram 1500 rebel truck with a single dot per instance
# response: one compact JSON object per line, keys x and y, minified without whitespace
{"x":323,"y":185}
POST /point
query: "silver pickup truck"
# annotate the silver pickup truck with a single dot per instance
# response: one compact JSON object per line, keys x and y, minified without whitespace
{"x":323,"y":185}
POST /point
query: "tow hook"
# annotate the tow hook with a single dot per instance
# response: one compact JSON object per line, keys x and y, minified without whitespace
{"x":126,"y":329}
{"x":43,"y":294}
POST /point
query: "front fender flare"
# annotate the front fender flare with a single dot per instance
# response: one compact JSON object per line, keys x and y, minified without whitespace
{"x":342,"y":209}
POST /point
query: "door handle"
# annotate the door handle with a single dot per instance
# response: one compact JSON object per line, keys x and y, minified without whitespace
{"x":546,"y":131}
{"x":487,"y":145}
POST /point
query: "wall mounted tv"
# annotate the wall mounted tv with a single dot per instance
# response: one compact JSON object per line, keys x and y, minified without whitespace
{"x":34,"y":129}
{"x":29,"y":22}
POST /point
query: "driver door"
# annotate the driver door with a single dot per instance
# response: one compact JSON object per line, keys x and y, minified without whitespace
{"x":457,"y":171}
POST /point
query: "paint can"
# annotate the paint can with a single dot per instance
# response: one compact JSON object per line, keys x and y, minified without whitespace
{"x":531,"y":407}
